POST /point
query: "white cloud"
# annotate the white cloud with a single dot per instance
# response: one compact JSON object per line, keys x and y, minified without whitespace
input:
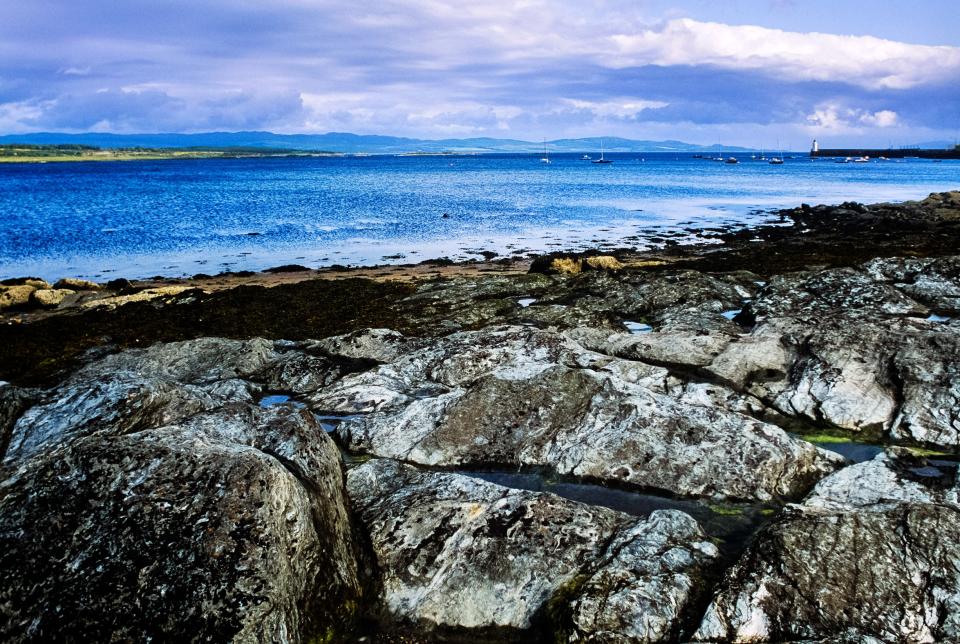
{"x":859,"y":60}
{"x":831,"y":116}
{"x":883,"y":118}
{"x":619,"y":108}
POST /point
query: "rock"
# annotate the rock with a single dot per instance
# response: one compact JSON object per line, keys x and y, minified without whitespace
{"x":844,"y":291}
{"x":680,"y":348}
{"x":575,"y":263}
{"x":13,"y":402}
{"x":145,"y":295}
{"x":35,"y":282}
{"x":15,"y":296}
{"x":50,"y":297}
{"x":140,"y":389}
{"x":934,"y":282}
{"x":229,"y":526}
{"x":521,"y":397}
{"x":458,"y":555}
{"x":847,"y":348}
{"x":75,"y":284}
{"x":870,"y":554}
{"x":643,"y":592}
{"x":372,"y":345}
{"x":287,"y":268}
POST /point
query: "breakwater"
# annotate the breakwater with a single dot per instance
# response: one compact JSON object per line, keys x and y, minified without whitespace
{"x":906,"y":153}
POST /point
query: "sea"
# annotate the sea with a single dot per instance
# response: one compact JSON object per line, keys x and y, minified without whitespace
{"x":136,"y":219}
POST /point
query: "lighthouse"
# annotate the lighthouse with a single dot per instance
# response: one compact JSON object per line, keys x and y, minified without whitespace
{"x":816,"y":147}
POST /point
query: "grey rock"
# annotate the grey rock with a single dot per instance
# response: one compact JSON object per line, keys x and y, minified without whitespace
{"x":934,"y":282}
{"x":13,"y":402}
{"x":810,"y":295}
{"x":870,"y":554}
{"x":460,"y":555}
{"x":141,"y":389}
{"x":518,"y":396}
{"x":227,"y":526}
{"x":375,"y":345}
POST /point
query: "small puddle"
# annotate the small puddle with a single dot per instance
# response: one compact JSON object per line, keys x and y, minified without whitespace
{"x":937,"y":318}
{"x":851,"y":450}
{"x":329,"y":423}
{"x":731,"y":524}
{"x":732,"y":313}
{"x":524,"y":302}
{"x":637,"y":327}
{"x":272,"y":400}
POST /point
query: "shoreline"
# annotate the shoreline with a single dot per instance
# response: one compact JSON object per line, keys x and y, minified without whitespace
{"x":134,"y":312}
{"x":709,"y":410}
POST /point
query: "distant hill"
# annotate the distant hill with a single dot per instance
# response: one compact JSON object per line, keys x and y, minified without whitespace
{"x":352,"y":143}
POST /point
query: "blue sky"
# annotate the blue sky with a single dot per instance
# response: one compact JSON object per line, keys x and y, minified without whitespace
{"x":737,"y":72}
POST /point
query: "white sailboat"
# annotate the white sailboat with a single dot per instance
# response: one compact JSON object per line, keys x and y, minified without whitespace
{"x":546,"y":156}
{"x":601,"y":159}
{"x":777,"y":160}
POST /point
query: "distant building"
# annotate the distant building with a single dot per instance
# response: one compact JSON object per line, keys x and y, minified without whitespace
{"x":816,"y":146}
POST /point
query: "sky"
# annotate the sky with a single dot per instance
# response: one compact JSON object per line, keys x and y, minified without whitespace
{"x":736,"y":72}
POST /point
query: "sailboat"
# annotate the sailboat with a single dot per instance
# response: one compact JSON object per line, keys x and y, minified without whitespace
{"x":777,"y":160}
{"x":546,"y":157}
{"x":601,"y":159}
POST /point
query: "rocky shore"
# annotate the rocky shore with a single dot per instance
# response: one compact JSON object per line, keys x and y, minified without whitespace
{"x":750,"y":439}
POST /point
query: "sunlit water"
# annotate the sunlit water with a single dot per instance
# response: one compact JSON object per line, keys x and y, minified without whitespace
{"x":144,"y":218}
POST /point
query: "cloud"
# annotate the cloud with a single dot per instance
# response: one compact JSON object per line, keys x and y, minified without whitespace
{"x":866,"y":61}
{"x":619,"y":108}
{"x":443,"y":68}
{"x":838,"y":118}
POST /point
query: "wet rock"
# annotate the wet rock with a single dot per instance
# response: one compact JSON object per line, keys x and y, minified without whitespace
{"x":75,"y":284}
{"x":518,"y":396}
{"x":229,"y":526}
{"x":50,"y":297}
{"x":870,"y":554}
{"x":15,"y":296}
{"x":460,"y":556}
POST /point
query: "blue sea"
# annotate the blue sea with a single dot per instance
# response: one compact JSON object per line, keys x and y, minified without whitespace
{"x":100,"y":220}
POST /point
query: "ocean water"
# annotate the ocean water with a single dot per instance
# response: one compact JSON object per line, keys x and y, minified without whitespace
{"x":100,"y":220}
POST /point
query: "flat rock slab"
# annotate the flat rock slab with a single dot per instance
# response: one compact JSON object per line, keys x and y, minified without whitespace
{"x":515,"y":396}
{"x":463,"y":557}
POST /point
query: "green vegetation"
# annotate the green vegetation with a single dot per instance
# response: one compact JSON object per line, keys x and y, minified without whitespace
{"x":923,"y":451}
{"x":825,"y":438}
{"x":726,"y":510}
{"x":28,"y":153}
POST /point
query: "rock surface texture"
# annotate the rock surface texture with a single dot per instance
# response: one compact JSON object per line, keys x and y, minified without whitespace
{"x":133,"y":510}
{"x":462,"y":556}
{"x":871,"y":555}
{"x":517,"y":396}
